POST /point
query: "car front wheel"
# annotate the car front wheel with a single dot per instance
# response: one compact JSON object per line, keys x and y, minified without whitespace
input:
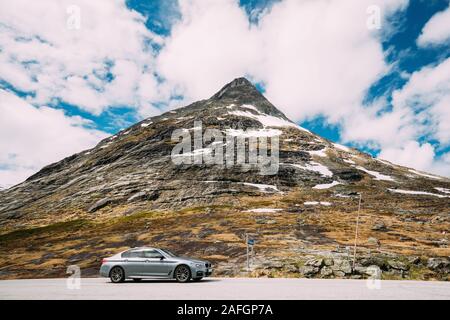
{"x":117,"y":275}
{"x":182,"y":273}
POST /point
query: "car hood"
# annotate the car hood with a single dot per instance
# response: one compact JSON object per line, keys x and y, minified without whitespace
{"x":193,"y":260}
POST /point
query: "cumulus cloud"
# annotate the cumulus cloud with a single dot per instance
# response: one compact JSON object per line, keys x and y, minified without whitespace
{"x":211,"y":44}
{"x":437,"y":29}
{"x":314,"y":57}
{"x":94,"y":56}
{"x":420,"y":110}
{"x":419,"y":156}
{"x":407,"y":155}
{"x":31,"y":138}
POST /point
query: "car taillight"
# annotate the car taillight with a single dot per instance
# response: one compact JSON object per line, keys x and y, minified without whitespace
{"x":104,"y":261}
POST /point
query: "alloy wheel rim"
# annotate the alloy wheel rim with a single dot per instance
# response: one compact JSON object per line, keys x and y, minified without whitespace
{"x":116,"y":274}
{"x":182,"y":273}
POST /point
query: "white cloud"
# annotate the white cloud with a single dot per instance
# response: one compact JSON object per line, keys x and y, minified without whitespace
{"x":320,"y":56}
{"x":314,"y":56}
{"x":39,"y":53}
{"x":407,"y":155}
{"x":420,"y":109}
{"x":437,"y":29}
{"x":422,"y":157}
{"x":31,"y":138}
{"x":212,"y":44}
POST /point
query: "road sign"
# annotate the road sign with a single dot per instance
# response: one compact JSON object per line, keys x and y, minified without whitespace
{"x":251,"y":242}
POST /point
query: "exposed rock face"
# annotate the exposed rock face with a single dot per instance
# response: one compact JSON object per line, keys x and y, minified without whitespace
{"x":313,"y":194}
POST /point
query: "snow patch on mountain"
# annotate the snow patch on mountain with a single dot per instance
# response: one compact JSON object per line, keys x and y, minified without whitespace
{"x":146,"y":124}
{"x":315,"y":203}
{"x":341,"y":147}
{"x":443,"y":190}
{"x":196,"y":152}
{"x":254,"y":133}
{"x":264,"y":210}
{"x":326,"y":185}
{"x":418,"y":193}
{"x":424,"y":174}
{"x":377,"y":175}
{"x":262,"y":187}
{"x":267,"y":120}
{"x":313,"y":166}
{"x":318,"y":153}
{"x":349,"y":161}
{"x":249,"y":106}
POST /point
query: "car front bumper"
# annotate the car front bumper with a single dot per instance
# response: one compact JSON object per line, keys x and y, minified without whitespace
{"x":202,"y":273}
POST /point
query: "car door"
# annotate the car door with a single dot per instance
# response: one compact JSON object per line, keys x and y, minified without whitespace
{"x":154,"y":263}
{"x":133,"y":262}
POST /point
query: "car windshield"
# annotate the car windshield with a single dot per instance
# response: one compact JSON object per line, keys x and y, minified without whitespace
{"x":170,"y":254}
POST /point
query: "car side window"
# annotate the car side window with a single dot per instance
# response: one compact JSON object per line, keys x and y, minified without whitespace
{"x":126,"y":254}
{"x":152,"y":254}
{"x":132,"y":254}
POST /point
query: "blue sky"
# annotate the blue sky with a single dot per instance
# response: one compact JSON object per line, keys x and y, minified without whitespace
{"x":92,"y":69}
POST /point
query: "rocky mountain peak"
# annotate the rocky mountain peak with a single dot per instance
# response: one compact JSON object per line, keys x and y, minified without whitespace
{"x":241,"y":92}
{"x":128,"y":191}
{"x":236,"y":88}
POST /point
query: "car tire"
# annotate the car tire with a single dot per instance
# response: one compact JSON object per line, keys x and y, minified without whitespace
{"x":197,"y":279}
{"x":117,"y":275}
{"x":182,"y":273}
{"x":137,"y":279}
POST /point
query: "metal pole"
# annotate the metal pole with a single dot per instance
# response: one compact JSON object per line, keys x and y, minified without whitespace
{"x":356,"y":232}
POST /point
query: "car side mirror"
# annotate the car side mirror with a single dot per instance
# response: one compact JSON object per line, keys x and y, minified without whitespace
{"x":162,"y":258}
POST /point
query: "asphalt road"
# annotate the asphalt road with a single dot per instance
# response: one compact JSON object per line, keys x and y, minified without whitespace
{"x":224,"y":288}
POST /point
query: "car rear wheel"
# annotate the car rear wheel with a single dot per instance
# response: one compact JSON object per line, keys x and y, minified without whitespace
{"x":182,"y":273}
{"x":117,"y":275}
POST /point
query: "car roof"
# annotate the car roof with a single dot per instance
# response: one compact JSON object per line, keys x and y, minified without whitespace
{"x":143,"y":248}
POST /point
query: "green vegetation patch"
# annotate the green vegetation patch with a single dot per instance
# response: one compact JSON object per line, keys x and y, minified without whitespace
{"x":57,"y":227}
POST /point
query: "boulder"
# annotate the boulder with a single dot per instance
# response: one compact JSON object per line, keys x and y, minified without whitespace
{"x":326,"y":271}
{"x":328,"y":262}
{"x":309,"y":271}
{"x":437,"y":263}
{"x":379,"y":226}
{"x":342,"y":266}
{"x":137,"y":196}
{"x":291,"y":268}
{"x":314,"y":263}
{"x":339,"y":273}
{"x":99,"y":204}
{"x":373,"y":241}
{"x":273,"y":265}
{"x":414,"y":260}
{"x":397,"y":265}
{"x":360,"y":270}
{"x":377,"y":261}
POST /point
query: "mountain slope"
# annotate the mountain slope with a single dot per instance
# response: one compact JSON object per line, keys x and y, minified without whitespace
{"x":127,"y":191}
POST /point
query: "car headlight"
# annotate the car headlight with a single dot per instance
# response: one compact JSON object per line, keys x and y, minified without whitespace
{"x":198,"y":265}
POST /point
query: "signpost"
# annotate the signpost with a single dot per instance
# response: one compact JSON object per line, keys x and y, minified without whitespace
{"x":250,"y":243}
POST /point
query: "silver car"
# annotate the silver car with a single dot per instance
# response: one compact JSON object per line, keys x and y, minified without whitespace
{"x":145,"y":262}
